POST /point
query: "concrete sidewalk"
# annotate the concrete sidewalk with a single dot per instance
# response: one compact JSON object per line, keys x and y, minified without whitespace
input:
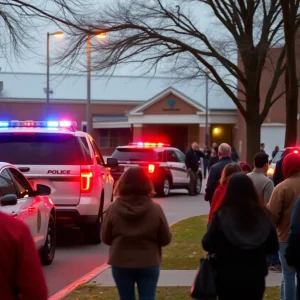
{"x":175,"y":278}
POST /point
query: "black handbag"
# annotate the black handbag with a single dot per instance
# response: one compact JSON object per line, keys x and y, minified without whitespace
{"x":204,"y":286}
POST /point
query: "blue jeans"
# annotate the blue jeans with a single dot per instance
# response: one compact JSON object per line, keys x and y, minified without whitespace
{"x":288,"y":284}
{"x":146,"y":280}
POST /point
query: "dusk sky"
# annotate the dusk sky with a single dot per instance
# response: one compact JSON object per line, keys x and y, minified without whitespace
{"x":35,"y":61}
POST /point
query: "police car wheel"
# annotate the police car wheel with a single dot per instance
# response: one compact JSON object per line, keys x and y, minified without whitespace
{"x":164,"y":188}
{"x":199,"y":185}
{"x":92,"y":232}
{"x":47,"y":252}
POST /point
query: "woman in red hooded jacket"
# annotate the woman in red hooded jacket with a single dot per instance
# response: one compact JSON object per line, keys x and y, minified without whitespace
{"x":281,"y":206}
{"x":220,"y":190}
{"x":21,"y":274}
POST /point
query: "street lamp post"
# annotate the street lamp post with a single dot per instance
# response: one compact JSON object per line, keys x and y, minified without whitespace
{"x":206,"y":113}
{"x":100,"y":36}
{"x":56,"y":34}
{"x":88,"y":101}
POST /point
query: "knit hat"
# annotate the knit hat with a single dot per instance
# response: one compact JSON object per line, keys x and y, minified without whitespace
{"x":245,"y":166}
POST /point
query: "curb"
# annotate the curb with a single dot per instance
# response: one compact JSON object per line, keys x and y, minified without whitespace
{"x":84,"y":279}
{"x":90,"y":276}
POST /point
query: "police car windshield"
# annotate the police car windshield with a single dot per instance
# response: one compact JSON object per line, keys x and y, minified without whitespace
{"x":135,"y":154}
{"x":39,"y":149}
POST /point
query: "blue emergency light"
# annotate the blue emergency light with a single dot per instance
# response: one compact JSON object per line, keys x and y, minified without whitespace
{"x":40,"y":124}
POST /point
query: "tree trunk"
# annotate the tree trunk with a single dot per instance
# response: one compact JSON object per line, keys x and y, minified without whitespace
{"x":253,"y":127}
{"x":291,"y":76}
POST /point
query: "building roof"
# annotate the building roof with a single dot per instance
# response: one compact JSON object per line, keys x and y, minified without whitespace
{"x":164,"y":93}
{"x":108,"y":88}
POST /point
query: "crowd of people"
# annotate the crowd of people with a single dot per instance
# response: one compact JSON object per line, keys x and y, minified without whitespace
{"x":253,"y":225}
{"x":251,"y":221}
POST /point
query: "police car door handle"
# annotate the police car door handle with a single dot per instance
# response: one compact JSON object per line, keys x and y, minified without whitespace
{"x":24,"y":169}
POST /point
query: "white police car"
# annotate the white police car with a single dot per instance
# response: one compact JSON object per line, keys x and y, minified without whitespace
{"x":55,"y":154}
{"x":32,"y":206}
{"x":164,"y":165}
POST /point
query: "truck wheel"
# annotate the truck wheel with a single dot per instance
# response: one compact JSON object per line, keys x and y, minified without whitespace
{"x":47,"y":252}
{"x":92,"y":232}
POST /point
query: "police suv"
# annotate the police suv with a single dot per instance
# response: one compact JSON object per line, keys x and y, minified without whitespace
{"x":55,"y":154}
{"x":31,"y":206}
{"x":165,"y":165}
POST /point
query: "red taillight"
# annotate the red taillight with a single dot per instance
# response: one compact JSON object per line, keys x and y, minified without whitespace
{"x":296,"y":151}
{"x":86,"y":181}
{"x":151,"y":168}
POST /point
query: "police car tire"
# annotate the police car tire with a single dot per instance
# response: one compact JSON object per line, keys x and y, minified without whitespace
{"x":46,"y":255}
{"x":161,"y":191}
{"x":199,"y":191}
{"x":92,"y":232}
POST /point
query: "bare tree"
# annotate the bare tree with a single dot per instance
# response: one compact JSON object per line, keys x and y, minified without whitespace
{"x":291,"y":22}
{"x":18,"y":21}
{"x":158,"y":35}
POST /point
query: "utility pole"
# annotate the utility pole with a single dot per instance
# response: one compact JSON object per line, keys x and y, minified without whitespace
{"x":206,"y":112}
{"x":48,"y":76}
{"x":88,"y":102}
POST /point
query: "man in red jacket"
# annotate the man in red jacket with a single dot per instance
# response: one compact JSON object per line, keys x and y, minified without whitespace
{"x":21,"y":274}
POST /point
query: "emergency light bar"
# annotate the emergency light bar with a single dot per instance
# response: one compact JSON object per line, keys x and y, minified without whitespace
{"x":43,"y":124}
{"x":142,"y":144}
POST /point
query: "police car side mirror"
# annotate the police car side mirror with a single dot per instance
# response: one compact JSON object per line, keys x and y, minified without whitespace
{"x":42,"y":190}
{"x":111,"y":163}
{"x":10,"y":199}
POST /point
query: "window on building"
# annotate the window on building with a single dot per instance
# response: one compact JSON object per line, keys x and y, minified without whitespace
{"x":114,"y":137}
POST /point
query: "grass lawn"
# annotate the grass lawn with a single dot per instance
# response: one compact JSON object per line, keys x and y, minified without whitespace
{"x":185,"y":251}
{"x":88,"y":292}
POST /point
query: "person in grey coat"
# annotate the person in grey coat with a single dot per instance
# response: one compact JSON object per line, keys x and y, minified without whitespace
{"x":263,"y":185}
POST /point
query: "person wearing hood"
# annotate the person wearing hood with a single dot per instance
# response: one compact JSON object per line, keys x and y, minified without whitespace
{"x":241,"y":235}
{"x":136,"y":229}
{"x":21,"y":273}
{"x":281,"y":206}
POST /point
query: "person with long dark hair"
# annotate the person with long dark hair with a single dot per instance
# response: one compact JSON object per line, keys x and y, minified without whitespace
{"x":135,"y":228}
{"x":241,"y":235}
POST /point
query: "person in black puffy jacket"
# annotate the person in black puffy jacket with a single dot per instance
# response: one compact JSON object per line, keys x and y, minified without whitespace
{"x":215,"y":171}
